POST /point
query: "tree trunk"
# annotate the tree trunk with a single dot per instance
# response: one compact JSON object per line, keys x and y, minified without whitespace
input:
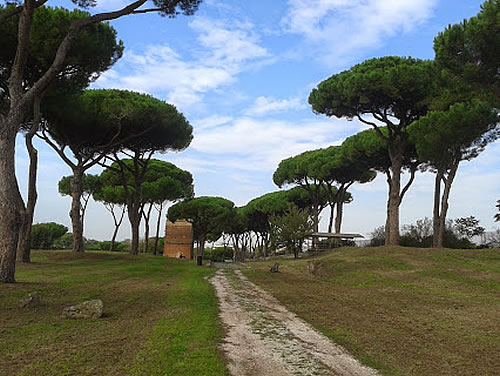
{"x":338,"y":217}
{"x":11,"y":202}
{"x":394,"y":199}
{"x":444,"y":201}
{"x":436,"y":218}
{"x":387,"y":227}
{"x":76,"y":209}
{"x":135,"y":221}
{"x":117,"y":227}
{"x":147,"y":216}
{"x":158,"y":223}
{"x":24,"y":243}
{"x":330,"y":222}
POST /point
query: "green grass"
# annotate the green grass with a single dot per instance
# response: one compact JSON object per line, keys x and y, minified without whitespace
{"x":160,"y":317}
{"x":403,"y":311}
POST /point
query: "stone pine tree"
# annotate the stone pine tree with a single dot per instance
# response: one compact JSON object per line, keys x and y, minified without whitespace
{"x":208,"y":215}
{"x":166,"y":129}
{"x":370,"y":152}
{"x":93,"y":52}
{"x":21,"y":101}
{"x":465,"y":116}
{"x":297,"y":170}
{"x":334,"y":166}
{"x":389,"y":92}
{"x":91,"y":184}
{"x":162,"y":182}
{"x":165,"y":183}
{"x":470,"y":50}
{"x":84,"y":128}
{"x":113,"y":198}
{"x":445,"y":138}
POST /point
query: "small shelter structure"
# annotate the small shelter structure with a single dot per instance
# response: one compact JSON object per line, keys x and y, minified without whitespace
{"x":178,"y":239}
{"x":328,"y":236}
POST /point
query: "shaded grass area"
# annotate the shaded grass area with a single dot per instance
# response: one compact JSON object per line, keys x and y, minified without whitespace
{"x":403,"y":311}
{"x":160,"y":317}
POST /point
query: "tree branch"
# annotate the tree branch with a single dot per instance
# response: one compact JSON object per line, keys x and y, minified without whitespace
{"x":17,"y":10}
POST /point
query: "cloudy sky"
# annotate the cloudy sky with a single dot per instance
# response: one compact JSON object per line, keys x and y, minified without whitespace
{"x":241,"y":72}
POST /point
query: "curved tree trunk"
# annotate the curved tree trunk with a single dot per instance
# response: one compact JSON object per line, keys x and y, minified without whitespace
{"x":444,"y":201}
{"x":24,"y":242}
{"x":76,"y":209}
{"x":117,"y":227}
{"x":11,"y":202}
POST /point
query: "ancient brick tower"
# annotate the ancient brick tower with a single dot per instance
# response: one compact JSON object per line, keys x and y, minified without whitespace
{"x":178,"y":239}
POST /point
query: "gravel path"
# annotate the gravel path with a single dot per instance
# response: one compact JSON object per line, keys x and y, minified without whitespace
{"x":264,"y":338}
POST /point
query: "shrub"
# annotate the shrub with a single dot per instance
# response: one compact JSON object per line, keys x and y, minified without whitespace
{"x":218,"y":254}
{"x":43,"y":235}
{"x":377,"y":236}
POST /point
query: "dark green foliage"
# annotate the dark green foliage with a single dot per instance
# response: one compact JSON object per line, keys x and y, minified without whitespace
{"x":210,"y":216}
{"x":93,"y":51}
{"x":43,"y":235}
{"x":388,"y":86}
{"x":91,"y":185}
{"x":117,"y":120}
{"x":471,"y":49}
{"x":162,"y":181}
{"x":218,"y":254}
{"x":460,"y":133}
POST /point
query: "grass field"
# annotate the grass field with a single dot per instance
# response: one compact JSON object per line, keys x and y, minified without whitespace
{"x":403,"y":311}
{"x":160,"y":318}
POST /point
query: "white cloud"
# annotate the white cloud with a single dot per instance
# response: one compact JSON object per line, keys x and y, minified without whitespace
{"x":343,"y":29}
{"x":226,"y":50}
{"x":265,"y":105}
{"x":260,"y":144}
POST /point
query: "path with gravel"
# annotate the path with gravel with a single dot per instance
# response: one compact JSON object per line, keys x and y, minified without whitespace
{"x":264,"y":338}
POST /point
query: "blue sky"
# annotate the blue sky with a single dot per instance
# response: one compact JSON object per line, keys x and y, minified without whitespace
{"x":241,"y":72}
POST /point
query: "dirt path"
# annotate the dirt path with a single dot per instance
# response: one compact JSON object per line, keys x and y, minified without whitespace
{"x":264,"y":338}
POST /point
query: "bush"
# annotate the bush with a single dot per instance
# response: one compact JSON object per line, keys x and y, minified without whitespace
{"x":218,"y":254}
{"x":64,"y":242}
{"x":377,"y":237}
{"x":417,"y":235}
{"x":118,"y":247}
{"x":43,"y":235}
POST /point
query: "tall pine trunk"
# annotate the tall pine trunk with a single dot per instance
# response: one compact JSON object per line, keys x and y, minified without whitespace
{"x":448,"y":181}
{"x":436,"y":217}
{"x":394,"y":199}
{"x":24,"y":242}
{"x":117,"y":227}
{"x":330,"y":221}
{"x":158,"y":223}
{"x":11,"y":202}
{"x":135,"y":221}
{"x":76,"y":209}
{"x":147,"y":216}
{"x":338,"y":217}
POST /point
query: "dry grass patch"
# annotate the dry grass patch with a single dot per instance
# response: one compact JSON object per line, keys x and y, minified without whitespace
{"x":403,"y":311}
